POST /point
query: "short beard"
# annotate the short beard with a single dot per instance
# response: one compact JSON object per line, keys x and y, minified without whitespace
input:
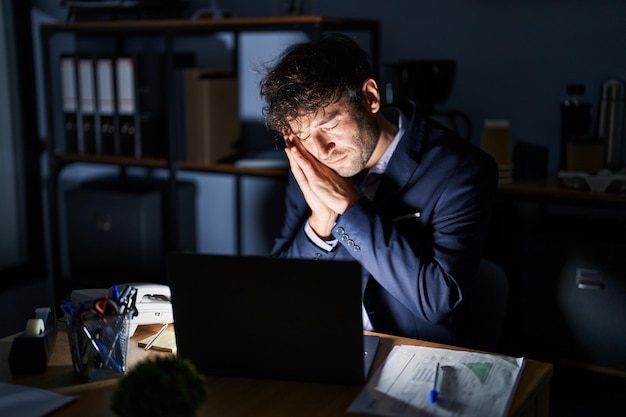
{"x":366,"y":140}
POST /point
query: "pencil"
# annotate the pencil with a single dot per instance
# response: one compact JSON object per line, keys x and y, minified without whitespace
{"x":154,"y":339}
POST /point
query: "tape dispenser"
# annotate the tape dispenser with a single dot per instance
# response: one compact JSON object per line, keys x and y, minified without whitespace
{"x":32,"y":348}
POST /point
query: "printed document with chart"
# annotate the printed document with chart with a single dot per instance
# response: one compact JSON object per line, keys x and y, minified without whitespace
{"x":468,"y":384}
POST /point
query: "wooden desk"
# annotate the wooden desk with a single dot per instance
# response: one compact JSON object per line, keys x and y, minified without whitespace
{"x":249,"y":397}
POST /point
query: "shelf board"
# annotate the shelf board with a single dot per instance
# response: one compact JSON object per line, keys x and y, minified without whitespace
{"x":228,"y":168}
{"x":227,"y":24}
{"x":115,"y":160}
{"x":551,"y":188}
{"x":231,"y":169}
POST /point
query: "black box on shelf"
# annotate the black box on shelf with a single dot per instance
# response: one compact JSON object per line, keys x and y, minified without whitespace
{"x":117,"y":229}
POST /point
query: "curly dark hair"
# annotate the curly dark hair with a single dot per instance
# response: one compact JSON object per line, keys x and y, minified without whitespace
{"x":310,"y":75}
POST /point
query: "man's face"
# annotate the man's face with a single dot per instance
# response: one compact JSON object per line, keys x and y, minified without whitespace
{"x":341,"y":136}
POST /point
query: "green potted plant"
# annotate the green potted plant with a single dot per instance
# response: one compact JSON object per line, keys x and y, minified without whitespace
{"x":164,"y":386}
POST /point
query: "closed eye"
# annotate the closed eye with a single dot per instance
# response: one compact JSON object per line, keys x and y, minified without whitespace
{"x":328,"y":128}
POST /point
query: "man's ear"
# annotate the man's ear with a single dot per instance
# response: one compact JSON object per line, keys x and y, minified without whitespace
{"x":371,"y":95}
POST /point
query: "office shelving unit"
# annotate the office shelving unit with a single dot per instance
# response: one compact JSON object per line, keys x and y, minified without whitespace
{"x":162,"y":33}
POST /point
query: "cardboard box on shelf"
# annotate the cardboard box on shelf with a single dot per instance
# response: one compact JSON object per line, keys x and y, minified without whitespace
{"x":212,"y":114}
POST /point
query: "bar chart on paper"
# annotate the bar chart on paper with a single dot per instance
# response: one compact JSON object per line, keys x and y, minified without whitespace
{"x":466,"y":383}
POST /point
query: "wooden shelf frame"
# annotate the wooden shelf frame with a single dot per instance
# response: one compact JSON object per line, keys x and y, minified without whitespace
{"x":166,"y":31}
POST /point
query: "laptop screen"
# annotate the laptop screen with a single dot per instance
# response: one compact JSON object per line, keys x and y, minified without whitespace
{"x":254,"y":316}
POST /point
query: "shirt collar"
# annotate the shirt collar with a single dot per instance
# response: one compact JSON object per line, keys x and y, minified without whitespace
{"x":381,"y":165}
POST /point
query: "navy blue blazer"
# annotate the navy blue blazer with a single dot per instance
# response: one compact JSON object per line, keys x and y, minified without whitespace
{"x":421,"y":238}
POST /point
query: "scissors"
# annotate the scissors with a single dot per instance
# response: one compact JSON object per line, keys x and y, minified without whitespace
{"x":103,"y":308}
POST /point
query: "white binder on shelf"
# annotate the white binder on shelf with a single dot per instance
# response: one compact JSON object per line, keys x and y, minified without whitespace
{"x":105,"y":87}
{"x":69,"y":103}
{"x":87,"y":106}
{"x":129,"y":144}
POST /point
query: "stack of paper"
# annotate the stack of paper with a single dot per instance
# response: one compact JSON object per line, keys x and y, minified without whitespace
{"x":19,"y":400}
{"x":469,"y":384}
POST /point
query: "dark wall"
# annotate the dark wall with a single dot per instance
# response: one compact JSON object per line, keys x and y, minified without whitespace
{"x":514,"y":57}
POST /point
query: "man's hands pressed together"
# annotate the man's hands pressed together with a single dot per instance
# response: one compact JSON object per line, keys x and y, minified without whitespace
{"x":327,"y":194}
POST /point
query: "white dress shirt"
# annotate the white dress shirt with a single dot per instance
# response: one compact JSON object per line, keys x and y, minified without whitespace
{"x":367,"y":188}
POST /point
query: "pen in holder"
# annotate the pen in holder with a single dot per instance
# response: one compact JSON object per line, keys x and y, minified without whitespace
{"x":98,"y":333}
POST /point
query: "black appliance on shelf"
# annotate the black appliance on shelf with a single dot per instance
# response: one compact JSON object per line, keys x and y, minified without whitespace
{"x":428,"y":83}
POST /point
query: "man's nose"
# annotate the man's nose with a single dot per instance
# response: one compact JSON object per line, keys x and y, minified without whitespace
{"x":324,"y":145}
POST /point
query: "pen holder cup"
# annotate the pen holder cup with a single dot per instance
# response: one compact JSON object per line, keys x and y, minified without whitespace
{"x":98,"y":345}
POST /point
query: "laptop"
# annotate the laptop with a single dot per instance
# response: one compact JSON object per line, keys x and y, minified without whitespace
{"x":264,"y":317}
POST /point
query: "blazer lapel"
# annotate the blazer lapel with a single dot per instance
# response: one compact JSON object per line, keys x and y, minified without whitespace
{"x":402,"y":165}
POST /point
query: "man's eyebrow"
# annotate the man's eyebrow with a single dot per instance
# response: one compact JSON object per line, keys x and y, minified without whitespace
{"x":329,"y":117}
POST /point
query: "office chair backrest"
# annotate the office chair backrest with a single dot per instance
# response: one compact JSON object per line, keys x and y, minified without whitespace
{"x":488,"y":305}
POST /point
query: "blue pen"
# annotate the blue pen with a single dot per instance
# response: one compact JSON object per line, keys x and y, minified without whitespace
{"x":101,"y":350}
{"x":433,"y":392}
{"x":116,"y":292}
{"x":69,"y":308}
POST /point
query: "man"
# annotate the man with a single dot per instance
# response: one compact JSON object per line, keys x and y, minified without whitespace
{"x":403,"y":196}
